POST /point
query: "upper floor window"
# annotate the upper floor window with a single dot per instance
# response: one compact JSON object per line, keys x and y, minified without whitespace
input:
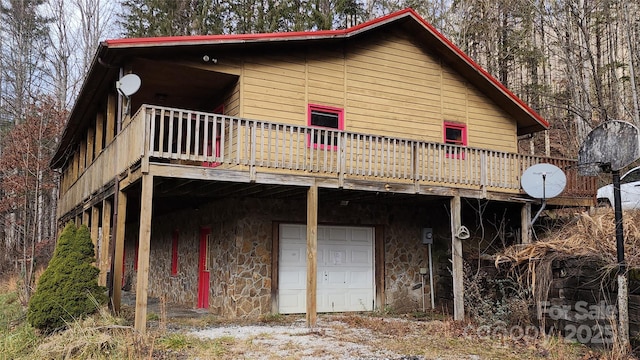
{"x":326,"y":119}
{"x":455,"y":134}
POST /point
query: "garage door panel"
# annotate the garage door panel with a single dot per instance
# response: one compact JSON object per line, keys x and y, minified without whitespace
{"x":336,"y":257}
{"x":360,"y":300}
{"x":293,"y":255}
{"x":363,"y":235}
{"x":360,"y":257}
{"x":334,"y":301}
{"x":334,"y":278}
{"x":291,"y":301}
{"x":359,"y":279}
{"x":338,"y":235}
{"x":293,"y":232}
{"x":293,"y":279}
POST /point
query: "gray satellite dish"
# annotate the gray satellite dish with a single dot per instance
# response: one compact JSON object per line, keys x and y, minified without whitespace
{"x":612,"y":145}
{"x":128,"y":85}
{"x":543,"y":181}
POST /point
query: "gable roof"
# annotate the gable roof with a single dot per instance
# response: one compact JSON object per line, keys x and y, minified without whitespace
{"x":111,"y":53}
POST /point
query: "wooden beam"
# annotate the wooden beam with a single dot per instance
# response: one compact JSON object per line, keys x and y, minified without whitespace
{"x":91,"y":136}
{"x":76,"y":167}
{"x":525,"y":223}
{"x":121,"y":216}
{"x":312,"y":252}
{"x":110,"y":127}
{"x":95,"y":230}
{"x":379,"y":266}
{"x":275,"y":266}
{"x":99,"y":132}
{"x":144,"y":243}
{"x":457,"y":260}
{"x":86,"y":216}
{"x":82,"y":156}
{"x":106,"y":242}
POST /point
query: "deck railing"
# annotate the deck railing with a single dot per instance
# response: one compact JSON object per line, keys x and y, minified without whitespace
{"x":126,"y":149}
{"x":214,"y":140}
{"x":208,"y":139}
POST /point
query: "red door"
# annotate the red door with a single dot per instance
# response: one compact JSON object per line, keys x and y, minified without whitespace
{"x":203,"y":269}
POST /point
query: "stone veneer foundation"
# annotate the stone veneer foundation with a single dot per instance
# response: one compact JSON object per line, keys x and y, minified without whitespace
{"x":241,"y":247}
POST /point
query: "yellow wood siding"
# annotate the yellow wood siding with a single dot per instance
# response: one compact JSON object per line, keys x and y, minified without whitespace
{"x":325,"y":77}
{"x":273,"y":88}
{"x":232,"y":102}
{"x":386,"y":84}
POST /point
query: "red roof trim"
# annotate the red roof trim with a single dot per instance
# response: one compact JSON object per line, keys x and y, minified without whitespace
{"x":169,"y":40}
{"x":260,"y":36}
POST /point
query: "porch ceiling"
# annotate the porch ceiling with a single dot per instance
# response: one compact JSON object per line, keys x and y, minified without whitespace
{"x":171,"y":194}
{"x":165,"y":83}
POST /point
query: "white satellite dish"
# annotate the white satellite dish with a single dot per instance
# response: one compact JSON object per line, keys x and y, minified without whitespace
{"x":128,"y":85}
{"x":543,"y":181}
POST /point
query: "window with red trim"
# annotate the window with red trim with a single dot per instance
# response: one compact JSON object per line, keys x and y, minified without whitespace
{"x":327,"y":119}
{"x":455,"y":134}
{"x":174,"y":253}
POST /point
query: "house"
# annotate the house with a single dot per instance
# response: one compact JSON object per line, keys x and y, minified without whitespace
{"x":295,"y":172}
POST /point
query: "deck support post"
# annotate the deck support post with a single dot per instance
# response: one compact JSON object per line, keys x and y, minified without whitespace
{"x":143,"y":253}
{"x":525,"y":223}
{"x":95,"y":230}
{"x":86,"y":216}
{"x":457,"y":260}
{"x":106,"y":242}
{"x":121,"y":216}
{"x":312,"y":250}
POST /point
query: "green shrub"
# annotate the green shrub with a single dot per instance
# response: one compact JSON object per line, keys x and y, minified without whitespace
{"x":68,"y":289}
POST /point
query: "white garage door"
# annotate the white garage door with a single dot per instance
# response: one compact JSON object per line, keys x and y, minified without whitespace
{"x":345,"y":269}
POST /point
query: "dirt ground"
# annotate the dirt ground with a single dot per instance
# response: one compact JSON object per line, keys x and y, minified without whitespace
{"x":196,"y":334}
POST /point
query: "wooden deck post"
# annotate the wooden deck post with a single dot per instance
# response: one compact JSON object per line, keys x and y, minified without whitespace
{"x":106,"y":239}
{"x":85,"y":218}
{"x":99,"y":144}
{"x":312,"y":251}
{"x":457,"y":260}
{"x":525,"y":223}
{"x":110,"y":127}
{"x":95,"y":229}
{"x":143,"y":253}
{"x":121,"y":217}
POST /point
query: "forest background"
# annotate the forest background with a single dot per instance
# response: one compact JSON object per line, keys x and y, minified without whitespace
{"x":574,"y":61}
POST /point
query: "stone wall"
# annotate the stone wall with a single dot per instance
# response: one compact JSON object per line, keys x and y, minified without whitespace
{"x":241,"y":246}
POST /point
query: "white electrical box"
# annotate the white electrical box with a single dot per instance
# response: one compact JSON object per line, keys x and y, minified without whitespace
{"x":427,"y":236}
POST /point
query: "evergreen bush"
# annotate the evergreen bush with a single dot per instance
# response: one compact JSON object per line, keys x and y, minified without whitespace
{"x":68,"y":289}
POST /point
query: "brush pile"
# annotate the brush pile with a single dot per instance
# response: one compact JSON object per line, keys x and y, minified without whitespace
{"x":587,"y":236}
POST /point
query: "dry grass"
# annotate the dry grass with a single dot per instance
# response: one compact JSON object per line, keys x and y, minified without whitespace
{"x":588,"y":236}
{"x":588,"y":239}
{"x":448,"y":339}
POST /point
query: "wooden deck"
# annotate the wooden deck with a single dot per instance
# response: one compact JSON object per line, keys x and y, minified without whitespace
{"x":182,"y":143}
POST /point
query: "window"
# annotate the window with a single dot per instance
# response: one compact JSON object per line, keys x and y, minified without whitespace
{"x":174,"y":253}
{"x":327,"y":119}
{"x":455,"y":134}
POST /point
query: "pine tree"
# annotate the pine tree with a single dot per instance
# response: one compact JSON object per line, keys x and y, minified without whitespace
{"x":68,"y":287}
